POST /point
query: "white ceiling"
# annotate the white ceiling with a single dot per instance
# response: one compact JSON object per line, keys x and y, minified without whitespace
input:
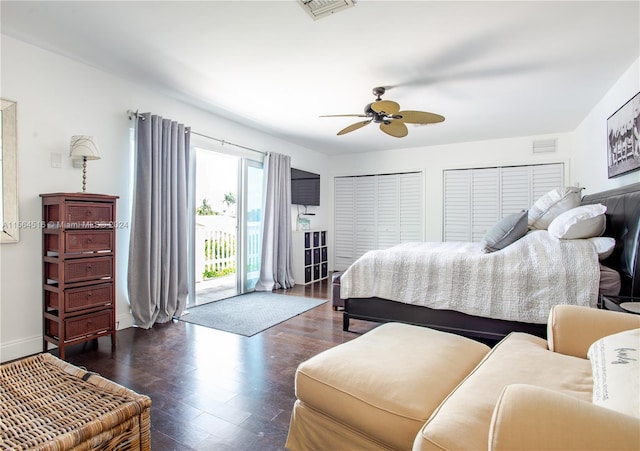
{"x":493,"y":69}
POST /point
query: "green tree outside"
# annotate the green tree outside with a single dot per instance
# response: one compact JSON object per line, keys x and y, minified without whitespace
{"x":205,"y":209}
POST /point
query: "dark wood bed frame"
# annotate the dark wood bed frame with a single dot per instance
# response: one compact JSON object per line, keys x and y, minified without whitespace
{"x":623,"y":224}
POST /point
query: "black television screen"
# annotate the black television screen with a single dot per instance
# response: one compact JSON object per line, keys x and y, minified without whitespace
{"x":305,"y":187}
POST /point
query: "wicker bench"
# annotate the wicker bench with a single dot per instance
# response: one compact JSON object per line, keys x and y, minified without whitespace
{"x":48,"y":404}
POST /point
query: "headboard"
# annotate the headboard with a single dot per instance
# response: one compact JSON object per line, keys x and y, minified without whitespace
{"x":623,"y":224}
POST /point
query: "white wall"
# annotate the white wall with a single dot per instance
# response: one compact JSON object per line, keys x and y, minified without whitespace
{"x":57,"y":98}
{"x":591,"y":136}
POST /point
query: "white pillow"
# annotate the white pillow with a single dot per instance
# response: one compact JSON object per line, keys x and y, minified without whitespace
{"x":586,"y":221}
{"x":615,"y":366}
{"x":604,"y":246}
{"x":556,"y":201}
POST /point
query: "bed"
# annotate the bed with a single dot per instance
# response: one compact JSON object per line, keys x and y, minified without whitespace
{"x":391,"y":293}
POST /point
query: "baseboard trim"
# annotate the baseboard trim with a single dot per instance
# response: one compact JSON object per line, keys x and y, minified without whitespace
{"x":17,"y":349}
{"x":24,"y":347}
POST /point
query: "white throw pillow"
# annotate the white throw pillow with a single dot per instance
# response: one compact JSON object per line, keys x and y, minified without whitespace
{"x":556,"y":201}
{"x":586,"y":221}
{"x":604,"y":246}
{"x":615,"y":366}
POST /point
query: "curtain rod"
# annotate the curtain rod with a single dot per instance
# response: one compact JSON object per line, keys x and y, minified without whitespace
{"x":135,"y":114}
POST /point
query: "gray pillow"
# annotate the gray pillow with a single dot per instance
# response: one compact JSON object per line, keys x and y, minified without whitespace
{"x":507,"y":231}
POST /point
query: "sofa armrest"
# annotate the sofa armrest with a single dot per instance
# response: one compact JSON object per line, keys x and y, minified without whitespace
{"x":527,"y":417}
{"x":572,"y":329}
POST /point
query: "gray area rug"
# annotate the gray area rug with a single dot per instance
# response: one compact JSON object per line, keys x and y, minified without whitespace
{"x":249,"y":313}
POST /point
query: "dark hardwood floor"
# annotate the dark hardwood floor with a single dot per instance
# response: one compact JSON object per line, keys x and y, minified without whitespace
{"x":213,"y":390}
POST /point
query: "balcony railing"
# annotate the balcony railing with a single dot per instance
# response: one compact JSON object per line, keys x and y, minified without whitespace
{"x":216,"y":247}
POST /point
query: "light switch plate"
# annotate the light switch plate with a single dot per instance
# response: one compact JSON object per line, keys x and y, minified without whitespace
{"x":56,"y":160}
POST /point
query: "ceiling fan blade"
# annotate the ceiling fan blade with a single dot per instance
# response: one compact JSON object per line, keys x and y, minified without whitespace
{"x":386,"y":106}
{"x":353,"y":127}
{"x":419,"y":117}
{"x":344,"y":115}
{"x":395,"y":128}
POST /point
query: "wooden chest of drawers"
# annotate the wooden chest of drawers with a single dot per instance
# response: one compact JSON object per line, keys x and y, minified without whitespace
{"x":79,"y":249}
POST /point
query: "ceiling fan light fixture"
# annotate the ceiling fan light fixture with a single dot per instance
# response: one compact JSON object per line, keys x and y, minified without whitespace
{"x":318,"y":9}
{"x":387,"y":113}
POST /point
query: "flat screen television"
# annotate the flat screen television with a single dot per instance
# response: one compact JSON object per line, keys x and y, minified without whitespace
{"x":305,"y":187}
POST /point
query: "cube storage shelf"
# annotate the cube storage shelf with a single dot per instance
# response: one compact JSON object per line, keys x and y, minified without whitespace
{"x":310,"y":256}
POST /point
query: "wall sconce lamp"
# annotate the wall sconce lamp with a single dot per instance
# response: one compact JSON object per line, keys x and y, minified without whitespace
{"x":85,"y":148}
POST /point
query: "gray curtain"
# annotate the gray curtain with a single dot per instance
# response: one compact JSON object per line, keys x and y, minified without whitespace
{"x":158,"y":271}
{"x":276,"y":270}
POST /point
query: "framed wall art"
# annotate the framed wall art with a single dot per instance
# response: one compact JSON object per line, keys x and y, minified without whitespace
{"x":623,"y":139}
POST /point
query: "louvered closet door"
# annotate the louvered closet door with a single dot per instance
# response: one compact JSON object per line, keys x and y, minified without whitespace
{"x":365,"y":215}
{"x":411,"y":207}
{"x":376,"y":212}
{"x":515,"y":190}
{"x":344,"y":217}
{"x":544,"y":178}
{"x":475,"y":199}
{"x":388,"y":210}
{"x":457,"y":205}
{"x":484,"y":201}
{"x":521,"y":186}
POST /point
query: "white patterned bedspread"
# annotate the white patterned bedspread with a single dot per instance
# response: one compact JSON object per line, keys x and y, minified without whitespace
{"x":518,"y":283}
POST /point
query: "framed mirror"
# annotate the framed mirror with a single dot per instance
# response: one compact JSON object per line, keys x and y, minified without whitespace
{"x":9,"y":173}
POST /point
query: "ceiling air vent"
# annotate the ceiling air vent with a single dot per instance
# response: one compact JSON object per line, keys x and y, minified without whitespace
{"x":544,"y":146}
{"x":322,"y":8}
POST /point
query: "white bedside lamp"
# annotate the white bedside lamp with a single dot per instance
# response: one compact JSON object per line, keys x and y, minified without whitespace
{"x":84,"y":147}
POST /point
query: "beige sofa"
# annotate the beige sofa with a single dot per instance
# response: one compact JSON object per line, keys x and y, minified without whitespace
{"x":408,"y":387}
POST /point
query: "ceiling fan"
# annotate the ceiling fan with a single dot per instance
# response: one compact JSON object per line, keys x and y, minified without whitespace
{"x":387,"y":113}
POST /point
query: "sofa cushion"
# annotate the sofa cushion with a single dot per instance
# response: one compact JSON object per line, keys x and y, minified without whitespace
{"x":530,"y":418}
{"x":463,"y":420}
{"x":572,"y":329}
{"x":616,"y":372}
{"x":387,"y":382}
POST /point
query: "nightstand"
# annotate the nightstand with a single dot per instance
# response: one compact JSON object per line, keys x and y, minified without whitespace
{"x":627,"y":304}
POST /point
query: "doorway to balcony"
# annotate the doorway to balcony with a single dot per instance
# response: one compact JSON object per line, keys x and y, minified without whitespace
{"x":226,"y":232}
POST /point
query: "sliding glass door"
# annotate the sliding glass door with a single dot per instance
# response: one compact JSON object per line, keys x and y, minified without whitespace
{"x":226,"y":224}
{"x":250,"y":221}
